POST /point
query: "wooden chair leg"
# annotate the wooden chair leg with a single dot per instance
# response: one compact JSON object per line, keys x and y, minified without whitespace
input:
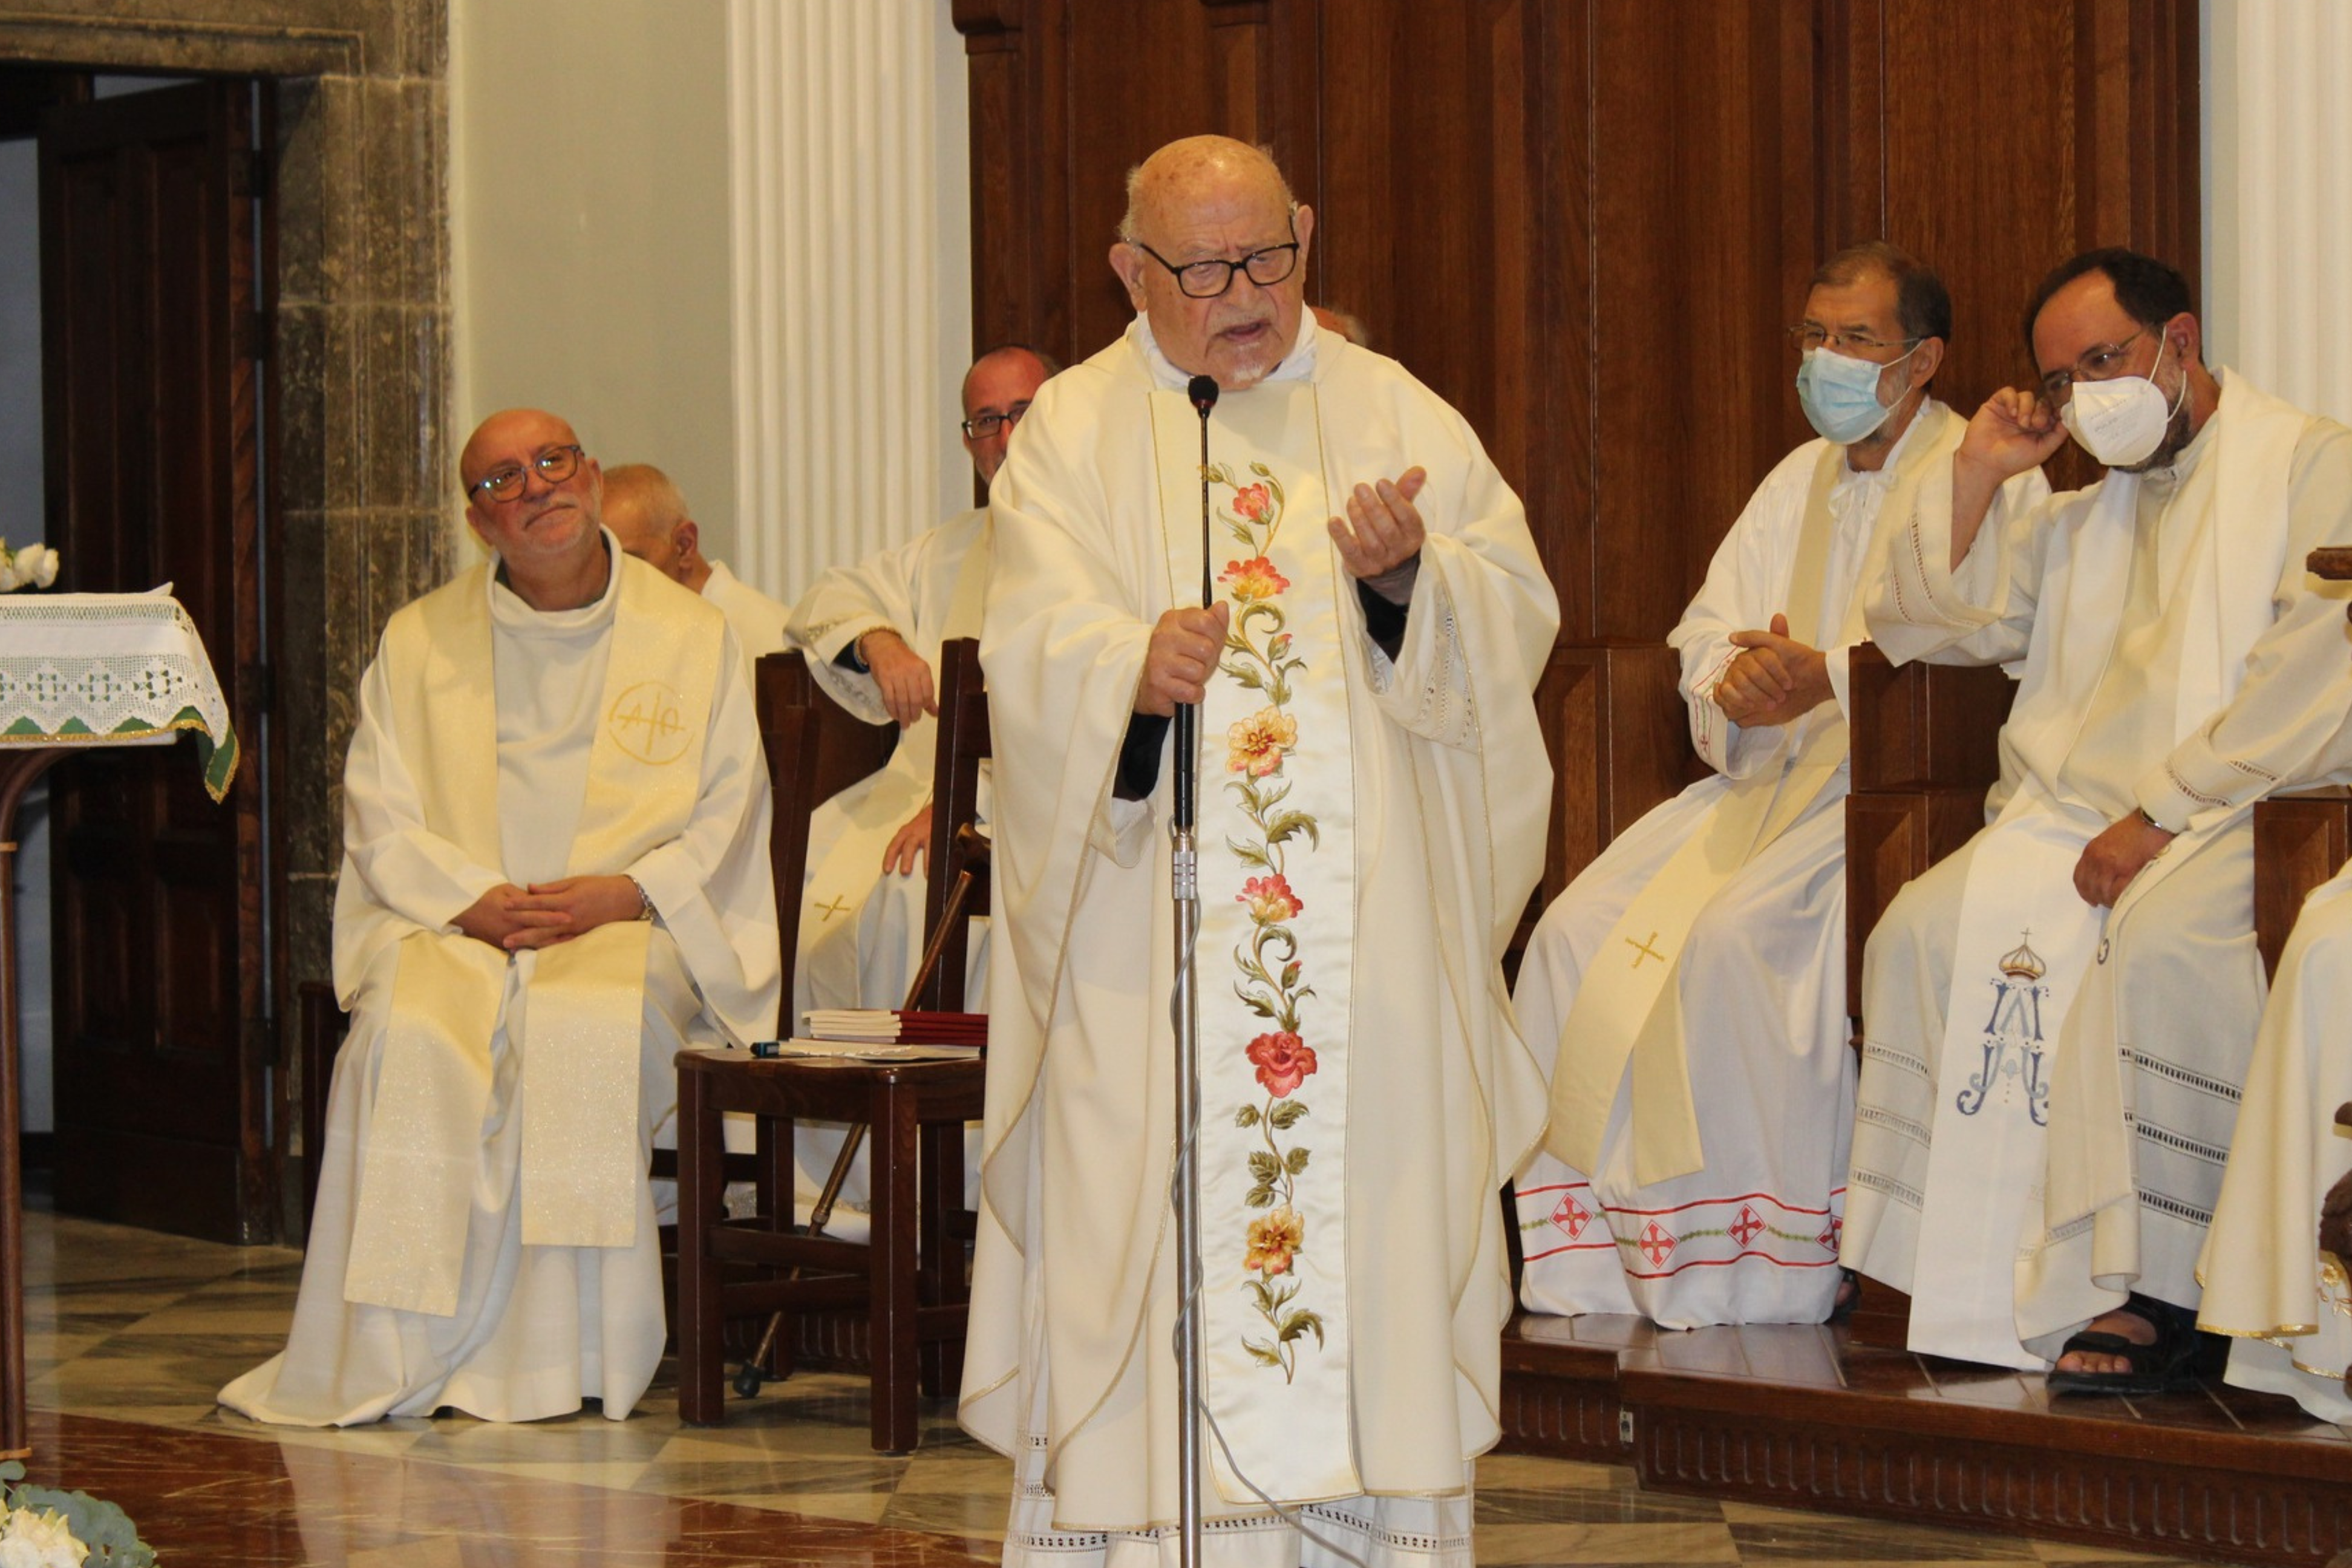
{"x":938,"y":1257}
{"x":892,"y":1299}
{"x":701,"y":1198}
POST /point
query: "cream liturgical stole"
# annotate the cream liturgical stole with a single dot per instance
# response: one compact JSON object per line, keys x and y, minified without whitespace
{"x":585,"y":998}
{"x":1628,"y":1008}
{"x":1278,"y":912}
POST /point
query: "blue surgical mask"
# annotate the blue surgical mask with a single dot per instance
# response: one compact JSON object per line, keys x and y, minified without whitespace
{"x":1841,"y":396}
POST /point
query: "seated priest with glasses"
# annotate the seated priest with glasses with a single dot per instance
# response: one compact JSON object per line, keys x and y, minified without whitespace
{"x":871,"y":632}
{"x":555,"y":875}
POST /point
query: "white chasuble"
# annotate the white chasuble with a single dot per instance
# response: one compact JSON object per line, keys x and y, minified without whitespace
{"x":583,"y":998}
{"x":1278,"y":901}
{"x":2013,"y":1251}
{"x":1627,"y":1015}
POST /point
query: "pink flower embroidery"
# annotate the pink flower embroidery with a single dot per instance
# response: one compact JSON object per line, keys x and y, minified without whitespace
{"x":1270,"y":898}
{"x":1274,"y":1240}
{"x":1250,"y":502}
{"x":1283,"y":1061}
{"x":1254,"y":579}
{"x":1255,"y":745}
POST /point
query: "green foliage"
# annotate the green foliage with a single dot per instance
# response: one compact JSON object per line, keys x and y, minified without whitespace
{"x":113,"y":1540}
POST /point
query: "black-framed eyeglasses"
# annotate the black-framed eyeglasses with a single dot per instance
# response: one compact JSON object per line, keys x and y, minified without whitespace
{"x":981,"y":426}
{"x":1807,"y":337}
{"x":2104,"y":361}
{"x":1208,"y":279}
{"x":554,"y":464}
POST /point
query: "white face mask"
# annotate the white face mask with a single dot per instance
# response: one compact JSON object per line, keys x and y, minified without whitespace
{"x":2120,"y":422}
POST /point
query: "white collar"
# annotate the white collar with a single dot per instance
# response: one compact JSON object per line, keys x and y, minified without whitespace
{"x":1298,"y":365}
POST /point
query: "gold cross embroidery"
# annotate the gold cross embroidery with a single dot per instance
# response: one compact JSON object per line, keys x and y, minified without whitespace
{"x":838,"y":905}
{"x":1642,"y":950}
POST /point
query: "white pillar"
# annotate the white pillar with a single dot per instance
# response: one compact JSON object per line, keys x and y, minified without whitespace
{"x":2279,"y":196}
{"x":852,"y":279}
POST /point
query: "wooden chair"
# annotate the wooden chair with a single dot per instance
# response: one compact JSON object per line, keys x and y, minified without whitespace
{"x":1613,"y":722}
{"x":1925,"y":747}
{"x":959,"y":855}
{"x":909,"y":1276}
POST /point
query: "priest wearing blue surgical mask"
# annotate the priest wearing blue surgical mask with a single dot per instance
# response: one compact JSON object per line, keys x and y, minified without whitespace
{"x":1706,"y":945}
{"x":2057,"y":1019}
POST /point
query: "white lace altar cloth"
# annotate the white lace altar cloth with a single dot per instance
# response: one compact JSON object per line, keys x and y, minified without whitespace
{"x":110,"y":669}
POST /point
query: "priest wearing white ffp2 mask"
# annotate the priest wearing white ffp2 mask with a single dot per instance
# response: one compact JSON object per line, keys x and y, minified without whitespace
{"x":1706,"y":946}
{"x":555,"y":875}
{"x":1373,"y":805}
{"x":2057,"y":1019}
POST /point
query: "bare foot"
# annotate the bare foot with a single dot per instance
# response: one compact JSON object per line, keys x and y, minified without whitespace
{"x":2123,"y":1325}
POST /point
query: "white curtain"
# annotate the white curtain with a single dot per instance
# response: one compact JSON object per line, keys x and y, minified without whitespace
{"x":2279,"y":196}
{"x":852,"y":279}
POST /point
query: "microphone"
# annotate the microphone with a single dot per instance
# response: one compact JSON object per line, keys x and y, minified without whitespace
{"x":1202,"y":391}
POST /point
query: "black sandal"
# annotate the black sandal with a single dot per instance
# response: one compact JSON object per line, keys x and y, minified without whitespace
{"x":1847,"y":1301}
{"x":2164,"y":1367}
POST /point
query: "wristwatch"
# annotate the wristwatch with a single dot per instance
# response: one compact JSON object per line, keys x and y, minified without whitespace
{"x":2152,"y":822}
{"x":644,"y":900}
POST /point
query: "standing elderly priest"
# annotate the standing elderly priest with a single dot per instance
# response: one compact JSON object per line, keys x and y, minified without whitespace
{"x":2057,"y":1018}
{"x":555,"y":874}
{"x":1726,"y":906}
{"x":1372,"y":820}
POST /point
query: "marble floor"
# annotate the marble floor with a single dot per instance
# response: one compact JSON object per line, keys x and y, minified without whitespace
{"x":128,"y":1333}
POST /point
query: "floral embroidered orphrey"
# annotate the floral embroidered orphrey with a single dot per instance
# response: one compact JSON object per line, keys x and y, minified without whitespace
{"x":1258,"y":658}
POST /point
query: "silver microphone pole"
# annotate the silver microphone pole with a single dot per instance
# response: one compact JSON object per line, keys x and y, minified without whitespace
{"x":1185,"y":877}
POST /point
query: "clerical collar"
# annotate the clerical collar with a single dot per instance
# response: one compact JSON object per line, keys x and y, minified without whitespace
{"x":511,"y":612}
{"x":1885,"y":473}
{"x":1298,"y":365}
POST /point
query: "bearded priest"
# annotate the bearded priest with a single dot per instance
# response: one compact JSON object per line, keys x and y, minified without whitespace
{"x":2057,"y":1018}
{"x":1372,"y":815}
{"x":555,"y":875}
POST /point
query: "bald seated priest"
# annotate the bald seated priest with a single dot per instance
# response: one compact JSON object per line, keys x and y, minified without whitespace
{"x":871,"y":632}
{"x":1691,"y":981}
{"x":555,"y":875}
{"x":648,"y":514}
{"x":1373,"y":798}
{"x":2057,"y":1018}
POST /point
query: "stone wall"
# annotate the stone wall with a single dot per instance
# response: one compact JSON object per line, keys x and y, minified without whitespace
{"x":360,"y":475}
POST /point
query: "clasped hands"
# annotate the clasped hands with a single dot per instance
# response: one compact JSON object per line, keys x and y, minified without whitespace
{"x":545,"y":913}
{"x":1382,"y":532}
{"x":1776,"y":680}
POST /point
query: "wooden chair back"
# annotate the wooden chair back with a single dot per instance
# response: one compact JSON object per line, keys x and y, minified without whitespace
{"x":964,"y":744}
{"x":815,"y":748}
{"x":1612,"y":720}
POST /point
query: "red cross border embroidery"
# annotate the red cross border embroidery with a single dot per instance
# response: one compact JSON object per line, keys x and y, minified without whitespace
{"x":1571,"y":1216}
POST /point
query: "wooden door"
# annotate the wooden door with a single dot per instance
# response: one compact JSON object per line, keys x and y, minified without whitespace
{"x":150,"y":330}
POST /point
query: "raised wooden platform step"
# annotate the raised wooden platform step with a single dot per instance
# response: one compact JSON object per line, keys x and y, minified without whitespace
{"x":1805,"y":1417}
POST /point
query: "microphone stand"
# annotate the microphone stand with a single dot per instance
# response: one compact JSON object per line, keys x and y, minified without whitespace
{"x":1184,"y":877}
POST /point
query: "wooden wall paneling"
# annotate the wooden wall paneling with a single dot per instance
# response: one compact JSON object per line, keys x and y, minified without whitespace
{"x":1425,"y":222}
{"x":1561,"y":393}
{"x":1138,"y":75}
{"x":1705,"y":217}
{"x":1008,"y":174}
{"x":2301,"y":839}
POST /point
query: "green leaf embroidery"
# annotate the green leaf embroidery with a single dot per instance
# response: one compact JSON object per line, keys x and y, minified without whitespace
{"x":1295,"y":1161}
{"x":1246,"y":1117}
{"x":1287,"y":1115}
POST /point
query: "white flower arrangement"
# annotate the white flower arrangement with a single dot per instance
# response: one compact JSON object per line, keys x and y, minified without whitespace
{"x":35,"y":565}
{"x":46,"y":1527}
